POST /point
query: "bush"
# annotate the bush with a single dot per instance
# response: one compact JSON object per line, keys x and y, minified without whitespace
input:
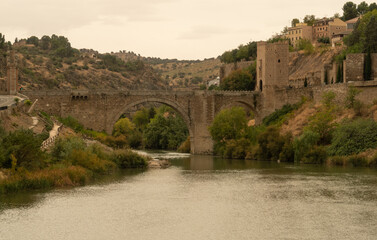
{"x":91,"y":161}
{"x":128,"y":159}
{"x":64,"y":147}
{"x":357,"y":161}
{"x":72,"y":123}
{"x":24,"y":146}
{"x":228,"y":124}
{"x":270,"y":144}
{"x":279,"y":115}
{"x":353,"y":137}
{"x":316,"y":155}
{"x":287,"y":153}
{"x":237,"y":148}
{"x":185,"y":146}
{"x":303,"y":144}
{"x":238,"y":80}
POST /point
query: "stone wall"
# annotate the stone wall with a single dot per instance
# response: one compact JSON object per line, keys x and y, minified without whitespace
{"x":3,"y":86}
{"x":99,"y":110}
{"x":354,"y":67}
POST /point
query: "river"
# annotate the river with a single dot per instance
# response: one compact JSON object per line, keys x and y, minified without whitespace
{"x":202,"y":197}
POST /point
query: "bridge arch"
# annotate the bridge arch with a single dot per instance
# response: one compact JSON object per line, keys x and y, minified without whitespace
{"x":239,"y":103}
{"x":168,"y":102}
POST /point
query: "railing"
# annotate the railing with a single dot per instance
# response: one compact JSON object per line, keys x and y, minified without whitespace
{"x":51,"y":140}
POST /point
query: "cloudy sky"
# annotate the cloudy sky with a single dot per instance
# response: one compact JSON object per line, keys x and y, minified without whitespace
{"x":183,"y":29}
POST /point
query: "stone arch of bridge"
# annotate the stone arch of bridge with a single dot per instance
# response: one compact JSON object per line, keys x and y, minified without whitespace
{"x":239,"y":103}
{"x":167,"y":102}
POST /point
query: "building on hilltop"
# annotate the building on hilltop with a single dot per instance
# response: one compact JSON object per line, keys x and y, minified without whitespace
{"x":352,"y":23}
{"x":9,"y":85}
{"x":300,"y":31}
{"x":327,"y":28}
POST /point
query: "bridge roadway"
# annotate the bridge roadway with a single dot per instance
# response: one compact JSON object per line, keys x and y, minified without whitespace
{"x":100,"y":109}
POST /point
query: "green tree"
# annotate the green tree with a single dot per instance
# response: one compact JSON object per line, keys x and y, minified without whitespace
{"x":45,"y":42}
{"x":309,"y":19}
{"x":141,"y":118}
{"x":238,"y":80}
{"x":2,"y":41}
{"x":33,"y":40}
{"x":339,"y":74}
{"x":167,"y":130}
{"x":123,"y":127}
{"x":304,"y":143}
{"x":351,"y":100}
{"x":228,"y":124}
{"x":362,"y":8}
{"x":25,"y":147}
{"x":373,"y":6}
{"x":349,"y":11}
{"x":294,"y":22}
{"x":270,"y":144}
{"x":371,"y":34}
{"x":368,"y":67}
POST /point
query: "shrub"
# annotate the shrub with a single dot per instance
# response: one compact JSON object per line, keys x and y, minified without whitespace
{"x":351,"y":97}
{"x":238,"y":80}
{"x":90,"y":161}
{"x":185,"y":146}
{"x":270,"y":144}
{"x":129,"y":159}
{"x":353,"y":137}
{"x":316,"y":155}
{"x":25,"y":147}
{"x":322,"y":123}
{"x":237,"y":148}
{"x":72,"y":123}
{"x":279,"y":115}
{"x":338,"y":160}
{"x":65,"y":146}
{"x":304,"y":143}
{"x":287,"y":153}
{"x":357,"y":161}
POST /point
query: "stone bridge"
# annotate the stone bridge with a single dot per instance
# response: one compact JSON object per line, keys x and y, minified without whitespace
{"x":99,"y":110}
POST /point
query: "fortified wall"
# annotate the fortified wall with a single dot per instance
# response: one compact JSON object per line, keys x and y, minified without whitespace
{"x":276,"y":90}
{"x":354,"y":67}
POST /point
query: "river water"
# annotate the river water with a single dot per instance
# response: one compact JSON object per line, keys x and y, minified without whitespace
{"x":201,"y":197}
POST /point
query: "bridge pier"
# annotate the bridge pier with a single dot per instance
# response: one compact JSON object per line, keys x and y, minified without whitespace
{"x":99,"y":110}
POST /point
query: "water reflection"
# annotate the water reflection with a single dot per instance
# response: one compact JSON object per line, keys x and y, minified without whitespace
{"x":203,"y":197}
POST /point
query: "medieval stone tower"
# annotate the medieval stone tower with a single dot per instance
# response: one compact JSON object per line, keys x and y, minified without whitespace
{"x":272,"y":73}
{"x":12,"y":74}
{"x":272,"y":65}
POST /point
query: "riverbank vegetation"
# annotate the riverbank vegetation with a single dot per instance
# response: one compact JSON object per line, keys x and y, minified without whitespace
{"x":70,"y":162}
{"x":150,"y":128}
{"x":328,"y":133}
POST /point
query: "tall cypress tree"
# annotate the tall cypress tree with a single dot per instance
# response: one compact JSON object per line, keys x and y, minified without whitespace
{"x":368,"y":67}
{"x":339,"y":74}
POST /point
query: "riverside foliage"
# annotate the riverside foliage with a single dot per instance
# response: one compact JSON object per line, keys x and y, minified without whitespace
{"x":321,"y":141}
{"x":70,"y":163}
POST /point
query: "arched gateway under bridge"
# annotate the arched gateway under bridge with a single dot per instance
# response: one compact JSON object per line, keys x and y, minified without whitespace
{"x":99,"y":110}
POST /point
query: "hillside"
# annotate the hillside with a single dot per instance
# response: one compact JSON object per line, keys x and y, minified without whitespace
{"x":179,"y":73}
{"x":56,"y":65}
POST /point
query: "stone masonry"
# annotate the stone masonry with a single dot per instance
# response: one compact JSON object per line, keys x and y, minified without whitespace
{"x":99,"y":110}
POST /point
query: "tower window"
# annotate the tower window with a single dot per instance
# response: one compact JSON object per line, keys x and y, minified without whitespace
{"x":278,"y":60}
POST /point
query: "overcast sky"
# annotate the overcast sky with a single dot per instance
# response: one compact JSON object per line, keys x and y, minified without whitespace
{"x":183,"y":29}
